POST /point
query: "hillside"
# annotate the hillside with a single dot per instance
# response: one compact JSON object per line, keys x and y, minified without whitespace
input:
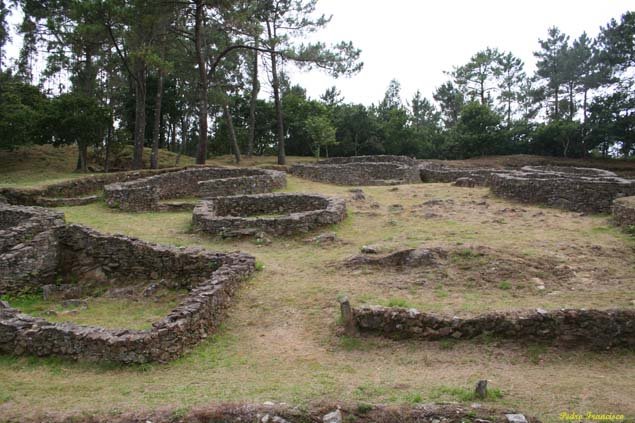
{"x":44,"y":164}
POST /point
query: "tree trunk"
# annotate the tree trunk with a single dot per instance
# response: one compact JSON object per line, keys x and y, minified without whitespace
{"x":275,"y":83}
{"x":173,"y":137}
{"x":109,"y":140}
{"x":557,"y":106}
{"x":571,"y":105}
{"x":156,"y":130}
{"x":255,"y":88}
{"x":82,"y":157}
{"x":232,"y":133}
{"x":140,"y":115}
{"x":201,"y":151}
{"x":183,"y":139}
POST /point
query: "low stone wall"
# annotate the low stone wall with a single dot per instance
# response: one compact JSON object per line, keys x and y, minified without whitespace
{"x":567,"y":188}
{"x":624,"y":211}
{"x":597,"y":329}
{"x":145,"y":194}
{"x":436,"y":172}
{"x":29,"y":252}
{"x":246,"y":181}
{"x":247,"y":214}
{"x":82,"y":253}
{"x":361,"y":170}
{"x":379,"y":158}
{"x":75,"y":191}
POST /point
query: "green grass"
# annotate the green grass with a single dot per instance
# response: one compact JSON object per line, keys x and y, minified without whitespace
{"x":505,"y":285}
{"x":398,"y":302}
{"x":463,"y":394}
{"x":105,"y":312}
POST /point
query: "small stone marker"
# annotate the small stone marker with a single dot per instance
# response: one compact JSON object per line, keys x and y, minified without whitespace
{"x":348,"y":319}
{"x":481,"y":389}
{"x":516,"y":418}
{"x":333,"y":417}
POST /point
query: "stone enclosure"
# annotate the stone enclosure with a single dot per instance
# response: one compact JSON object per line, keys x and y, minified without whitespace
{"x":146,"y":193}
{"x":572,"y":188}
{"x":52,"y":250}
{"x":361,"y":170}
{"x":276,"y":214}
{"x":76,"y":191}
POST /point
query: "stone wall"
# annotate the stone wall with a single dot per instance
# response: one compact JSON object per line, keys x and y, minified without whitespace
{"x":577,"y":189}
{"x":597,"y":329}
{"x":247,"y":215}
{"x":436,"y":172}
{"x":379,"y":158}
{"x":145,"y":194}
{"x":246,"y":181}
{"x":624,"y":211}
{"x":86,"y":254}
{"x":361,"y":170}
{"x":75,"y":191}
{"x":29,"y":252}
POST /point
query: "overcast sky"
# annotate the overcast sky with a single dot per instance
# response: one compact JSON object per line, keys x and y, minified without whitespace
{"x":414,"y":41}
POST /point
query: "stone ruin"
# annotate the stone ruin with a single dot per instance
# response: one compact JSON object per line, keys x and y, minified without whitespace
{"x":276,"y":214}
{"x":145,"y":194}
{"x":572,"y":188}
{"x":38,"y":248}
{"x":361,"y":170}
{"x":594,"y":329}
{"x":437,"y":172}
{"x":74,"y":192}
{"x":624,"y":212}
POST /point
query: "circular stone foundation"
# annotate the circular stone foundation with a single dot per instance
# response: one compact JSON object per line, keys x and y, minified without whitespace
{"x":361,"y":170}
{"x":572,"y":188}
{"x":146,"y":193}
{"x":276,"y":214}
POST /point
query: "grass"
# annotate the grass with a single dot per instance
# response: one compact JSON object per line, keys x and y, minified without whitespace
{"x":114,"y":313}
{"x":279,"y":340}
{"x":446,"y":393}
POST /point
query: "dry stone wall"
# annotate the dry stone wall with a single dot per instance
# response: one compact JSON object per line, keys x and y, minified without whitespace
{"x":437,"y":172}
{"x":75,"y":250}
{"x":277,"y":214}
{"x":624,"y":211}
{"x":596,"y":329}
{"x":577,"y":189}
{"x":29,"y":251}
{"x":243,"y":182}
{"x":146,"y":193}
{"x":74,"y":192}
{"x":361,"y":170}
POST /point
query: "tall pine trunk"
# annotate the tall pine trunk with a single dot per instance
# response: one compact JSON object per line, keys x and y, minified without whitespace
{"x":275,"y":83}
{"x":232,"y":133}
{"x":201,"y":151}
{"x":156,"y":130}
{"x":255,"y":88}
{"x":140,"y":114}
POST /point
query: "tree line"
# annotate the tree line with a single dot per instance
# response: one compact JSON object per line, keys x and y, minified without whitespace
{"x":156,"y":74}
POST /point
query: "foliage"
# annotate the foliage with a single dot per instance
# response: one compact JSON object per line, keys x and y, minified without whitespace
{"x":22,"y":107}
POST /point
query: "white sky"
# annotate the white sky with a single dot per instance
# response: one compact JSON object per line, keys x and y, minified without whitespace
{"x":414,"y":41}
